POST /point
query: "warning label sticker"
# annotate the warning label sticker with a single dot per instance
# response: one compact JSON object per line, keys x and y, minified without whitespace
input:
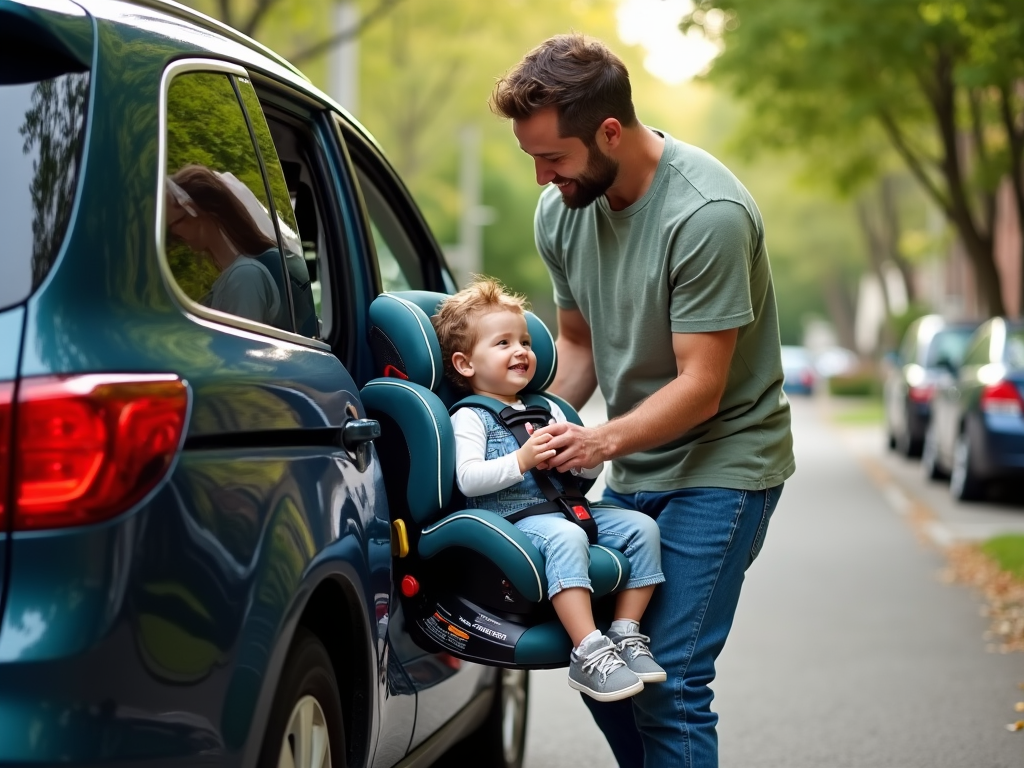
{"x":444,"y":632}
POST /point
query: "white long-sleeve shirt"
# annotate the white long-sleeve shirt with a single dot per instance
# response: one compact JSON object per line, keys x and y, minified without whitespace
{"x":475,"y":475}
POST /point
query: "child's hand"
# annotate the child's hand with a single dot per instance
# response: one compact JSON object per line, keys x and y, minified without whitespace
{"x":533,"y":452}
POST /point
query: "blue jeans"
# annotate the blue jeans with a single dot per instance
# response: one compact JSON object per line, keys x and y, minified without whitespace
{"x":566,"y":550}
{"x":709,"y":537}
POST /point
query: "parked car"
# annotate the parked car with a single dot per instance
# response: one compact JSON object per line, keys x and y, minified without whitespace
{"x":798,"y":370}
{"x":931,"y":348}
{"x":976,"y":435}
{"x":835,"y":361}
{"x":195,"y":545}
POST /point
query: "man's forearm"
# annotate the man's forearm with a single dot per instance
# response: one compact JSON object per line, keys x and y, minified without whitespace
{"x":576,"y":379}
{"x":665,"y":416}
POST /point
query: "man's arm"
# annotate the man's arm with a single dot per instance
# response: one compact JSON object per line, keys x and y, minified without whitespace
{"x":576,"y":379}
{"x":693,"y":397}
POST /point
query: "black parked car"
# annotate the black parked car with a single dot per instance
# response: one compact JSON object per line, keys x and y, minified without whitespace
{"x":976,"y":435}
{"x":931,"y":348}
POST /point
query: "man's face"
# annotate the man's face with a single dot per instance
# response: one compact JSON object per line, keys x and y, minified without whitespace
{"x":581,"y":173}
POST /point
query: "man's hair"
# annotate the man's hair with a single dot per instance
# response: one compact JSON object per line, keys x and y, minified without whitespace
{"x":455,"y":321}
{"x":580,"y":77}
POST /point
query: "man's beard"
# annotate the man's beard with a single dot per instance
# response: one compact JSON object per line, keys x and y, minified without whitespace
{"x":595,"y":180}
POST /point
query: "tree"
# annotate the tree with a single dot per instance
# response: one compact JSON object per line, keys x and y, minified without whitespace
{"x":937,"y":83}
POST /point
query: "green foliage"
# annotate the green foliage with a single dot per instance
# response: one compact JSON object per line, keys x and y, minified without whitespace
{"x":1008,"y":551}
{"x":206,"y":126}
{"x":898,"y":324}
{"x":427,"y":69}
{"x":856,"y":87}
{"x":857,"y":384}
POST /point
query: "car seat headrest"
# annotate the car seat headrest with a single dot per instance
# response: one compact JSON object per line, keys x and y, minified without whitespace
{"x":404,"y":343}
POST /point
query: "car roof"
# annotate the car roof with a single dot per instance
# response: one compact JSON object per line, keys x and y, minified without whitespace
{"x":113,"y":12}
{"x":207,"y":33}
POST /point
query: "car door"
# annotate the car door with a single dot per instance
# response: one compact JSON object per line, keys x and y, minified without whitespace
{"x":403,"y":255}
{"x":269,"y":485}
{"x":328,"y":222}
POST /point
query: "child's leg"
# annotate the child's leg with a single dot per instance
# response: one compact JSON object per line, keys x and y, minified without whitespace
{"x":635,"y":535}
{"x":595,"y":667}
{"x":631,"y":603}
{"x":574,"y":611}
{"x":566,"y":553}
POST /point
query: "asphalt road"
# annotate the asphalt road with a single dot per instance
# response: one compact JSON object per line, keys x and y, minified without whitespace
{"x":848,"y":650}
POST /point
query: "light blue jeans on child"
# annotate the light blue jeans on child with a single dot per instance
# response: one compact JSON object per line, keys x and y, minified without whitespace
{"x":566,"y":549}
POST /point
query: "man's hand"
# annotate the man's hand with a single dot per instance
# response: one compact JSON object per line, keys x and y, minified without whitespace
{"x":575,"y":447}
{"x":534,"y":451}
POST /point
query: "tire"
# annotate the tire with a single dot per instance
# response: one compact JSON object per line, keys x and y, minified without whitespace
{"x":905,"y":442}
{"x":933,"y":470}
{"x":500,"y":741}
{"x":306,"y":709}
{"x":964,"y":483}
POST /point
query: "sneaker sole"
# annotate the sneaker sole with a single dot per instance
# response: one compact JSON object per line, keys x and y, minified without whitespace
{"x":623,"y":693}
{"x":652,"y":677}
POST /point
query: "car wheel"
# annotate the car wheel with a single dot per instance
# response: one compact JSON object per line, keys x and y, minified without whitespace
{"x":905,"y":442}
{"x":500,"y":741}
{"x":933,"y":470}
{"x":305,"y":729}
{"x":964,"y":484}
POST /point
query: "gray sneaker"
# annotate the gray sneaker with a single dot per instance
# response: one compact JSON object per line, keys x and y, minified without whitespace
{"x":632,"y":647}
{"x":600,"y":673}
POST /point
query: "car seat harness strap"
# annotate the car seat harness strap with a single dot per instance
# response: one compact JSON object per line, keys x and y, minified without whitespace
{"x":569,"y":501}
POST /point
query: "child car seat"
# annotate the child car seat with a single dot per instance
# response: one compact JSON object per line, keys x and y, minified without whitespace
{"x":471,"y":583}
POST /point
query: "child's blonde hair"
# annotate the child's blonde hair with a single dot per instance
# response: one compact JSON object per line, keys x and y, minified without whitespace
{"x":455,"y":321}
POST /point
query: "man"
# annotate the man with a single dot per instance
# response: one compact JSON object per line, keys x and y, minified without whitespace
{"x":664,"y":299}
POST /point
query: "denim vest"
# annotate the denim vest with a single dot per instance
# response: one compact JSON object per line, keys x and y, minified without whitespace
{"x":501,"y":442}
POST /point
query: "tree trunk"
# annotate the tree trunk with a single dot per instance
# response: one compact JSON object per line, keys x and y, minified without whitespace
{"x":977,"y":240}
{"x":840,"y":309}
{"x":893,"y":230}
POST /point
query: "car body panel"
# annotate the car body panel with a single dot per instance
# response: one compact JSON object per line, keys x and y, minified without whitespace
{"x":928,"y":352}
{"x":11,"y":325}
{"x":193,"y":595}
{"x":996,"y":439}
{"x":798,"y":370}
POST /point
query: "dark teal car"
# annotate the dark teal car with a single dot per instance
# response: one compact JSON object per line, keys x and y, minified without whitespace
{"x":195,"y":546}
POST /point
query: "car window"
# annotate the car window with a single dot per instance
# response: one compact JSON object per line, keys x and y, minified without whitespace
{"x":1014,"y":355}
{"x":399,"y":266}
{"x":221,"y":242}
{"x":42,"y":124}
{"x":794,"y":357}
{"x":978,"y":350}
{"x":300,"y":288}
{"x":948,"y":345}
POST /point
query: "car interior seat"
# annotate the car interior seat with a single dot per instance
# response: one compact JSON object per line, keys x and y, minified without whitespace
{"x":471,"y":583}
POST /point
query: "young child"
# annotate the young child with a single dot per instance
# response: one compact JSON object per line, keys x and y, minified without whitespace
{"x":486,"y":349}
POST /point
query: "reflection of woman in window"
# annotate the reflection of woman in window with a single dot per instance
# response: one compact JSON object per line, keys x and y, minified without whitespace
{"x":209,"y":218}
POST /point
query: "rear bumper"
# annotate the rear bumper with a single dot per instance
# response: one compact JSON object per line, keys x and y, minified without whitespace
{"x":1002,"y":447}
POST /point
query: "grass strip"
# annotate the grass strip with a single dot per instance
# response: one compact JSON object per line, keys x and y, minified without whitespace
{"x":1008,"y":551}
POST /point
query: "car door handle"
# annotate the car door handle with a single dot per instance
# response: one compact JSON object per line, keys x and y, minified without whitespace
{"x":356,"y":436}
{"x":357,"y":432}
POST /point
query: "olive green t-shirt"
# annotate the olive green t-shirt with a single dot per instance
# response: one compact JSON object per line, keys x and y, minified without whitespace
{"x":687,"y":257}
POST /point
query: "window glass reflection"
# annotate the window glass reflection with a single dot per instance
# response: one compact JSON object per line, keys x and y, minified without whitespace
{"x":222,"y":245}
{"x":42,"y":124}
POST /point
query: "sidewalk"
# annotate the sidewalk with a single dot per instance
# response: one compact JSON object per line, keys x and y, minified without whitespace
{"x":909,"y":492}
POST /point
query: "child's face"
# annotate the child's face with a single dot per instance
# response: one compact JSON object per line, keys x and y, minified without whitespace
{"x":501,"y":362}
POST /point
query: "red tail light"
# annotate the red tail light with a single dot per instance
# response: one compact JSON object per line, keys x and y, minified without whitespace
{"x":922,"y":394}
{"x":89,"y":447}
{"x":1002,"y":398}
{"x":6,"y":392}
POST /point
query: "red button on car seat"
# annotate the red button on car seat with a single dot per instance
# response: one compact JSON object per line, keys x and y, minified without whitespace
{"x":410,"y":586}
